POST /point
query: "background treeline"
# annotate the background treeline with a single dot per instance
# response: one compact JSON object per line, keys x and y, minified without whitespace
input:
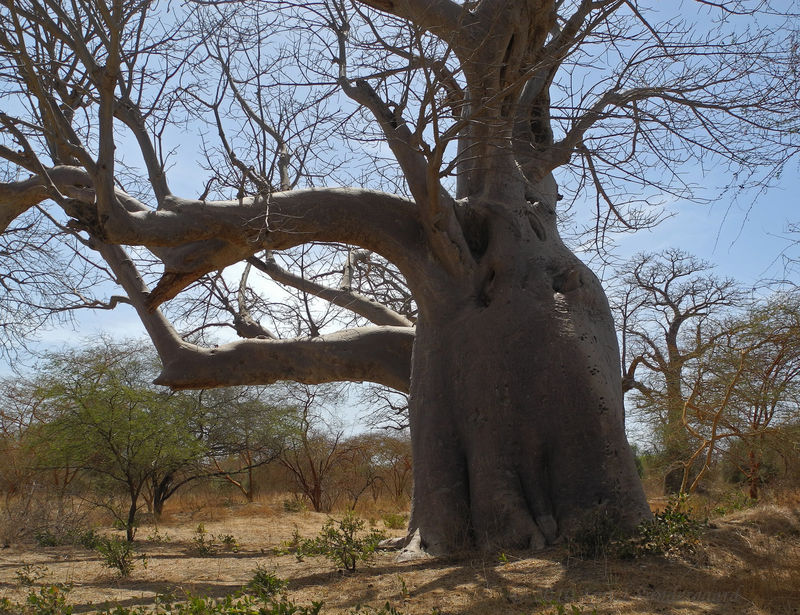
{"x":711,"y":374}
{"x":711,"y":377}
{"x":90,"y":431}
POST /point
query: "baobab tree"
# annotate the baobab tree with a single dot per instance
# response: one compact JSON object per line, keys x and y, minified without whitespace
{"x":508,"y":350}
{"x":670,"y":309}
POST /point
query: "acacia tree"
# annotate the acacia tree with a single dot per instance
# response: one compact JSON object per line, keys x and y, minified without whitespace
{"x":100,"y":415}
{"x":515,"y":397}
{"x":243,"y":428}
{"x":747,"y":390}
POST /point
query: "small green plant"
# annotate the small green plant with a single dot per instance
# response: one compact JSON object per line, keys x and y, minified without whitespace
{"x":30,"y":574}
{"x":49,"y":600}
{"x":343,"y":542}
{"x":157,"y":537}
{"x":733,"y":502}
{"x":404,"y":593}
{"x":89,"y":539}
{"x":394,"y":521}
{"x":48,"y":537}
{"x":294,"y":505}
{"x":674,"y":531}
{"x":229,"y":543}
{"x":118,"y":555}
{"x":265,"y":584}
{"x":202,"y":543}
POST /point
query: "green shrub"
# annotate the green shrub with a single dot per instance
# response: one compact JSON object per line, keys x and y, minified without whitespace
{"x":671,"y":532}
{"x":207,"y":545}
{"x":158,"y":537}
{"x":49,"y":600}
{"x":343,"y":542}
{"x":394,"y":521}
{"x":117,"y":554}
{"x":30,"y":574}
{"x":229,"y":543}
{"x":51,"y":537}
{"x":295,"y":505}
{"x":733,"y":502}
{"x":202,"y":544}
{"x":265,"y":584}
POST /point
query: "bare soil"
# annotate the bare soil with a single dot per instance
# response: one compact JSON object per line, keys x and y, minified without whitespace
{"x":749,"y":563}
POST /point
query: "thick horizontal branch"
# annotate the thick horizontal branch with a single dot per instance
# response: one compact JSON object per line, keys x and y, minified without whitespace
{"x":194,"y":237}
{"x":441,"y":17}
{"x":373,"y":354}
{"x":219,"y":234}
{"x":17,"y":197}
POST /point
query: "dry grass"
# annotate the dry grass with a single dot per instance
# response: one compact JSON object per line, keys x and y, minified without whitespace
{"x":749,"y":564}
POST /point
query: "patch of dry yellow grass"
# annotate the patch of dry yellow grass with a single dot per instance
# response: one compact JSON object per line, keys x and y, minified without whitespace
{"x":749,"y":565}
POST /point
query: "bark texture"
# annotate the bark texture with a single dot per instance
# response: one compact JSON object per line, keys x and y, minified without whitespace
{"x":516,"y":402}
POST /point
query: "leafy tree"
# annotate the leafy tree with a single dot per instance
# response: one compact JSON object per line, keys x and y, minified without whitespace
{"x":243,"y":428}
{"x":746,"y":398}
{"x":377,"y":462}
{"x":516,"y":405}
{"x":102,"y":416}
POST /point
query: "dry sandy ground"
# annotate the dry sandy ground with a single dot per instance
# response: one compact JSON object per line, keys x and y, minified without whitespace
{"x":749,"y":564}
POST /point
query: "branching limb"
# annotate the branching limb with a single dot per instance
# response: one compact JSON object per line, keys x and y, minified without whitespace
{"x":440,"y":17}
{"x":376,"y":354}
{"x":436,"y":206}
{"x":345,"y":298}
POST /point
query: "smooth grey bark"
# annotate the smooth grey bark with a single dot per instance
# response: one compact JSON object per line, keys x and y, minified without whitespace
{"x":516,"y":404}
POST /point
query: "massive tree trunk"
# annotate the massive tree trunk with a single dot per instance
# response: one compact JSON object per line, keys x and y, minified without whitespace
{"x":516,"y":404}
{"x":516,"y":400}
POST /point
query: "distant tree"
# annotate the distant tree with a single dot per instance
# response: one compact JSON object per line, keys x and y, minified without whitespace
{"x":746,"y":396}
{"x":243,"y":428}
{"x":393,"y":457}
{"x":18,"y":411}
{"x":101,"y":414}
{"x":313,"y":448}
{"x":668,"y":306}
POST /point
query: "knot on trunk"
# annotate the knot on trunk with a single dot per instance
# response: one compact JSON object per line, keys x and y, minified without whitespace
{"x":568,"y":281}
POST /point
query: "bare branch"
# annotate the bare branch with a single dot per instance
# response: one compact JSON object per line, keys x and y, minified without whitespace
{"x":346,"y":298}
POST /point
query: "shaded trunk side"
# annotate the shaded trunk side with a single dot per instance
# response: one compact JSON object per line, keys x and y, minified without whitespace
{"x":516,"y":404}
